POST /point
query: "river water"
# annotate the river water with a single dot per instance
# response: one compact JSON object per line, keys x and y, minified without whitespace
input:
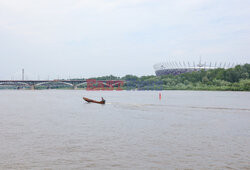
{"x":56,"y":129}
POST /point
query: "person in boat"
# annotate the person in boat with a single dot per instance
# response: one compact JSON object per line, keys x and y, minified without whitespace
{"x":103,"y":100}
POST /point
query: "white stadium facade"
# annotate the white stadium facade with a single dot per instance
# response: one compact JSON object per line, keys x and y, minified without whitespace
{"x":175,"y":68}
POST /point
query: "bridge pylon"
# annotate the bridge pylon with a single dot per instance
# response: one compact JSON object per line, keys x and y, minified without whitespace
{"x":75,"y":87}
{"x":32,"y":87}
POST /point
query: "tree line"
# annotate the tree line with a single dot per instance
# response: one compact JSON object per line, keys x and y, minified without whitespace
{"x":234,"y":79}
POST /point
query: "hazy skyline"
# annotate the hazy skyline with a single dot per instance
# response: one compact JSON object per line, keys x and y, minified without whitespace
{"x":85,"y":38}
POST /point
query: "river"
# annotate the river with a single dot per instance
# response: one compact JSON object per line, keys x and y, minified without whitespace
{"x":56,"y":129}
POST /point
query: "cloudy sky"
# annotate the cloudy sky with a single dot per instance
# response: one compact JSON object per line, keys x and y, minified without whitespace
{"x":83,"y":38}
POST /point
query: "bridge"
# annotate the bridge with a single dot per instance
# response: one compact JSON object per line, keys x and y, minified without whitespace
{"x":32,"y":84}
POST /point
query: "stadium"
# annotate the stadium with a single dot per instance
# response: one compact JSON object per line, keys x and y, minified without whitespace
{"x":175,"y":68}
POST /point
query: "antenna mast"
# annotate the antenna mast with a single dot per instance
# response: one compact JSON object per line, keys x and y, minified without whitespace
{"x":22,"y":74}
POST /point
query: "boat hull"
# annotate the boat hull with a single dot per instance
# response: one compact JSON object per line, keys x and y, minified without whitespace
{"x":93,"y":101}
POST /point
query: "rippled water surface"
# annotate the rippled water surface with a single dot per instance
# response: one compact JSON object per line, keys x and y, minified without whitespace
{"x":56,"y":129}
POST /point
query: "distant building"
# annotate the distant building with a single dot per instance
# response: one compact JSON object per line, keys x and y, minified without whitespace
{"x":176,"y":68}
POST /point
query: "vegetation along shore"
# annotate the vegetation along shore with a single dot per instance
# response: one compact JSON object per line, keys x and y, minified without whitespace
{"x":232,"y":79}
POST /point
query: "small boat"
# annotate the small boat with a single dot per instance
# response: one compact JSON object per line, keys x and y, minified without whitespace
{"x":94,"y":101}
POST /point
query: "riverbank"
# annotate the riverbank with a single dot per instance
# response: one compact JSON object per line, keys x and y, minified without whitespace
{"x":233,"y":79}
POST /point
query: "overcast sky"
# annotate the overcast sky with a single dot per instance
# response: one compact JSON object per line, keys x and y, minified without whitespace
{"x":84,"y":38}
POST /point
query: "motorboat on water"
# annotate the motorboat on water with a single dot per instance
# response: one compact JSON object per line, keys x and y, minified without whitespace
{"x":94,"y":101}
